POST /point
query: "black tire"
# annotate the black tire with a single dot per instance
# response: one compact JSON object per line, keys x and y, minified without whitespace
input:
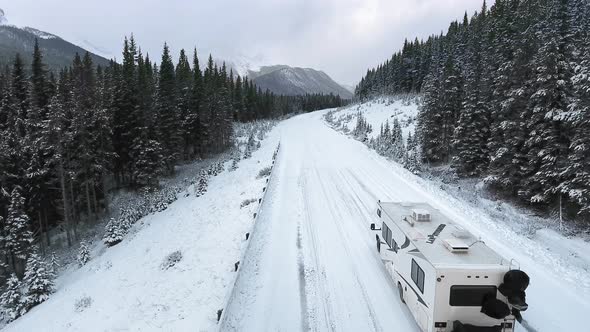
{"x":401,"y":292}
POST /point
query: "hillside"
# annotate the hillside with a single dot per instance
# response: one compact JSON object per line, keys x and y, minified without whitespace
{"x":510,"y":102}
{"x":285,"y":80}
{"x":58,"y":53}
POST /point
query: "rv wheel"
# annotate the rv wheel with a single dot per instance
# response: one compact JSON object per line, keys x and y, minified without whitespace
{"x":401,"y":292}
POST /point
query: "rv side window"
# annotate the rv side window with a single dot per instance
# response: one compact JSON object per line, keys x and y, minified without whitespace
{"x":469,"y":295}
{"x":418,"y":276}
{"x":384,"y":231}
{"x":389,"y":237}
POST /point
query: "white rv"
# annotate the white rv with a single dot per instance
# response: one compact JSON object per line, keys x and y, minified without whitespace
{"x":443,"y":273}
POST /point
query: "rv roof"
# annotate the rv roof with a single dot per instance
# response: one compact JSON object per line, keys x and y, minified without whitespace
{"x":421,"y":234}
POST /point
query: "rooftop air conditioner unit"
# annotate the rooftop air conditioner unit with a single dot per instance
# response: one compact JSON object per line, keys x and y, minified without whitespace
{"x":421,"y":215}
{"x":456,"y":246}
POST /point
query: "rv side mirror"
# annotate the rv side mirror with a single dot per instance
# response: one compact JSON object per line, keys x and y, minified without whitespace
{"x":372,"y":226}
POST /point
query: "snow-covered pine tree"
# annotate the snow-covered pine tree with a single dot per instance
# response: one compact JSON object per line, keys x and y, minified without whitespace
{"x":249,"y":146}
{"x":54,"y":263}
{"x":83,"y":254}
{"x":38,"y":282}
{"x":472,"y":126}
{"x":184,"y":83}
{"x":398,"y":149}
{"x":412,"y":155}
{"x":18,"y":237}
{"x":511,"y":94}
{"x":202,"y":184}
{"x":429,"y":120}
{"x":548,"y":142}
{"x":234,"y":162}
{"x":148,"y":160}
{"x":114,"y":232}
{"x":125,"y":109}
{"x":220,"y":167}
{"x":577,"y":174}
{"x":192,"y":121}
{"x":12,"y":299}
{"x":167,"y":115}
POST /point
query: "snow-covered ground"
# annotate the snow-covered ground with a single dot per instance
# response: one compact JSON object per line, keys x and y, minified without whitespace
{"x":126,"y":288}
{"x":312,"y":262}
{"x":380,"y":110}
{"x":558,"y":245}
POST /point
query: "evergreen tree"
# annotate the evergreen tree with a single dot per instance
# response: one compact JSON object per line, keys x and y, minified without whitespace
{"x":191,"y":121}
{"x":184,"y":85}
{"x":115,"y":231}
{"x":472,"y":126}
{"x":202,"y":184}
{"x":83,"y":254}
{"x":54,"y":263}
{"x":38,"y":282}
{"x":18,"y":237}
{"x":168,"y":123}
{"x":148,"y":160}
{"x":11,"y":299}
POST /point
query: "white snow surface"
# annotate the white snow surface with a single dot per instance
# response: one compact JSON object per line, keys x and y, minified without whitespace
{"x":128,"y":289}
{"x":96,"y":49}
{"x":39,"y":33}
{"x":312,"y":263}
{"x":379,"y":110}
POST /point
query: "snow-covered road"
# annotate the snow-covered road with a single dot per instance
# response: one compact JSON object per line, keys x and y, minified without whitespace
{"x":312,"y":264}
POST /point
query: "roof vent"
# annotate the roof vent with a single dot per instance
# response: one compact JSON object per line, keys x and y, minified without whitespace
{"x":456,"y":245}
{"x":421,"y":215}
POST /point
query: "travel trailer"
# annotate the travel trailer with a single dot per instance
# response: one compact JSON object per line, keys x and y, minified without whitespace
{"x":450,"y":280}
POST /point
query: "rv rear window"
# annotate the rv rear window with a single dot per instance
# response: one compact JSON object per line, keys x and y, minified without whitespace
{"x":469,"y":295}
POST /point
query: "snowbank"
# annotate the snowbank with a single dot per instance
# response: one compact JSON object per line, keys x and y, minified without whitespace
{"x":138,"y":285}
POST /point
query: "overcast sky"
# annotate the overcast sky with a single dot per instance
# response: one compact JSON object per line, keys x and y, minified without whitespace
{"x":341,"y":37}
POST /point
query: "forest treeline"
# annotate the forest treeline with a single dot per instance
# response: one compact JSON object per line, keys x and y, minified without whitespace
{"x":69,"y":137}
{"x":506,"y":97}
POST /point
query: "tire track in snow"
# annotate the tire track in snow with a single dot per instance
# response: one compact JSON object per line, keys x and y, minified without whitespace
{"x":335,"y":212}
{"x":316,"y":276}
{"x":302,"y":283}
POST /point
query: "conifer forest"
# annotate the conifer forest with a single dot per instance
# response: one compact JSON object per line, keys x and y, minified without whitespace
{"x":506,"y":97}
{"x":71,"y":137}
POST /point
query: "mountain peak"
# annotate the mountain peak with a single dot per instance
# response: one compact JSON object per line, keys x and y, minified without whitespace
{"x":286,"y":80}
{"x":57,"y":52}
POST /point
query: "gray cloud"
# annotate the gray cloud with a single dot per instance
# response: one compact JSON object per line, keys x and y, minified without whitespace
{"x":341,"y":37}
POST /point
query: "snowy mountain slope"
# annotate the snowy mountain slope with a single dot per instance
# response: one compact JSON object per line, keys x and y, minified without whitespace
{"x":287,"y":80}
{"x":313,"y":263}
{"x":57,"y":52}
{"x":98,"y":50}
{"x":126,"y":286}
{"x":379,"y":110}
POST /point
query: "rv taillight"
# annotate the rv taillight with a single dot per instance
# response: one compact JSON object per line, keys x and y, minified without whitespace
{"x":440,"y":324}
